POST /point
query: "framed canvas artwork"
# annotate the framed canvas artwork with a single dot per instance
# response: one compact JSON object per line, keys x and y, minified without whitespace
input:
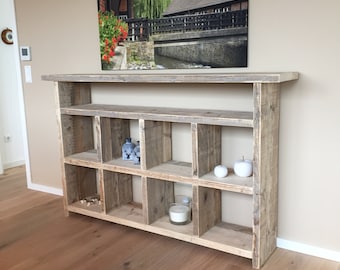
{"x":173,"y":34}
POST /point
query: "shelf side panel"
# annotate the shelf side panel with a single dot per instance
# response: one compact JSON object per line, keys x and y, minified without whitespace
{"x":156,"y":142}
{"x":208,"y":148}
{"x":159,"y":194}
{"x":266,"y":143}
{"x":206,"y":208}
{"x":117,"y":190}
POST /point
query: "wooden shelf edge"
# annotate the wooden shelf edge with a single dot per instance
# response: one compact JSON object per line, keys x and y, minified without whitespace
{"x":225,"y":248}
{"x":81,"y":162}
{"x":176,"y":76}
{"x":119,"y":167}
{"x":231,"y":183}
{"x":153,"y":228}
{"x":208,"y":117}
{"x":227,"y":187}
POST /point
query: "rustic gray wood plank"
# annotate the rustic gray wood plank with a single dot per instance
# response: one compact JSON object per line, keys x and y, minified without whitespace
{"x":180,"y":115}
{"x":84,"y":163}
{"x":159,"y":195}
{"x":177,"y":76}
{"x":157,"y":142}
{"x":71,"y":93}
{"x":209,"y":147}
{"x":208,"y":203}
{"x":117,"y":190}
{"x":266,"y":143}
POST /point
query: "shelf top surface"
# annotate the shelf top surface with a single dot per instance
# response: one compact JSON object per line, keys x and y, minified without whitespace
{"x":175,"y":76}
{"x":218,"y":117}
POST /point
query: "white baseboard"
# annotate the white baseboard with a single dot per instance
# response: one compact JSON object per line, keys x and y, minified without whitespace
{"x":308,"y":250}
{"x":46,"y":189}
{"x":13,"y":164}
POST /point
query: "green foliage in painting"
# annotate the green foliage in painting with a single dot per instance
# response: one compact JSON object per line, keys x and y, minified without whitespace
{"x":150,"y":9}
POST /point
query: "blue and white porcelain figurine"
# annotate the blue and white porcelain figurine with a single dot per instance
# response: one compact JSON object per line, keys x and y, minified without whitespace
{"x":127,"y":149}
{"x":136,"y":154}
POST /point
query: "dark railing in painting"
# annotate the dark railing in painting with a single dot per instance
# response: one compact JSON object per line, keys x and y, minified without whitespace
{"x":140,"y":29}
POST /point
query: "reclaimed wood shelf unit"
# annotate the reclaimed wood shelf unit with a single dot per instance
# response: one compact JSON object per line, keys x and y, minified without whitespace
{"x":92,"y":136}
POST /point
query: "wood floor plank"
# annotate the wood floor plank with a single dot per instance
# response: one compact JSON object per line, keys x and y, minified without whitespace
{"x":35,"y":234}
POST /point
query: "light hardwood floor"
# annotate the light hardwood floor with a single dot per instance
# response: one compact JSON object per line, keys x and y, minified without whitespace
{"x":35,"y":234}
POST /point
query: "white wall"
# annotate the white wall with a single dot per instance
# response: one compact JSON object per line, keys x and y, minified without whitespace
{"x":63,"y":36}
{"x":304,"y":36}
{"x":284,"y":35}
{"x":12,"y":152}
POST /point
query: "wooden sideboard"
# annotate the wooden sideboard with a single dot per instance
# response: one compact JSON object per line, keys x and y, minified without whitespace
{"x":91,"y":137}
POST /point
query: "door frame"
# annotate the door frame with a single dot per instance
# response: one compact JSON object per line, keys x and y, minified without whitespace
{"x":21,"y":96}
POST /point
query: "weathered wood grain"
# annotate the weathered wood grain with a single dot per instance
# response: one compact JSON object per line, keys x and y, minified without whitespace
{"x":159,"y":194}
{"x":77,"y":134}
{"x":91,"y":136}
{"x":81,"y":182}
{"x":180,"y":115}
{"x":117,"y":190}
{"x":266,"y":156}
{"x":70,"y":93}
{"x":156,"y":141}
{"x":176,"y":76}
{"x":113,"y":133}
{"x":208,"y":147}
{"x":209,"y":213}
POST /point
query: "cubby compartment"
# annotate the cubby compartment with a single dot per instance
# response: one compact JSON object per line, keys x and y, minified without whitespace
{"x":160,"y":195}
{"x":161,"y":149}
{"x":216,"y":145}
{"x":113,"y":134}
{"x":211,"y":229}
{"x":79,"y":139}
{"x":83,"y":189}
{"x":73,"y":94}
{"x":118,"y":197}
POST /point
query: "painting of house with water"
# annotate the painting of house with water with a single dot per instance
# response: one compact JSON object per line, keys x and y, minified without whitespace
{"x":173,"y":34}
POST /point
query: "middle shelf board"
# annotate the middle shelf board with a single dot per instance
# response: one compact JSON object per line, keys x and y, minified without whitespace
{"x":211,"y":117}
{"x":169,"y":171}
{"x":232,"y":182}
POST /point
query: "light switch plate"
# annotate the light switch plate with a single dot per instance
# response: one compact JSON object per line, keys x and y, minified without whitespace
{"x":28,"y":74}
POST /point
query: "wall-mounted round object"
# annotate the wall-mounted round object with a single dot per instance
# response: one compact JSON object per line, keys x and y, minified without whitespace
{"x":7,"y":36}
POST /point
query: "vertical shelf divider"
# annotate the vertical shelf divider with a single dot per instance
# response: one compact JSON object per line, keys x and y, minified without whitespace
{"x":117,"y":190}
{"x":208,"y":148}
{"x":104,"y":141}
{"x":156,"y":140}
{"x":209,"y":210}
{"x":158,"y":196}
